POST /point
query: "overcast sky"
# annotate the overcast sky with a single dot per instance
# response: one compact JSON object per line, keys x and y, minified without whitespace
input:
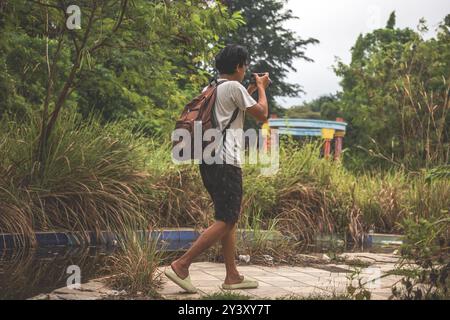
{"x":337,"y":24}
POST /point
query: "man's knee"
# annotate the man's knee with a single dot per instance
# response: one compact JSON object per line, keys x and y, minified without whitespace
{"x":227,"y":225}
{"x":231,"y":225}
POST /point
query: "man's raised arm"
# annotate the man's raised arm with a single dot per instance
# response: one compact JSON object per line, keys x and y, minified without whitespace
{"x":260,"y":111}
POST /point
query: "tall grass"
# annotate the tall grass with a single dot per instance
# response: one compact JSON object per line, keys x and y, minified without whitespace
{"x":107,"y":177}
{"x":93,"y":178}
{"x":135,"y":265}
{"x":310,"y":196}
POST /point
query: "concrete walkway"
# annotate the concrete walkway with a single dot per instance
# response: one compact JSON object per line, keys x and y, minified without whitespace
{"x":316,"y":280}
{"x":288,"y":281}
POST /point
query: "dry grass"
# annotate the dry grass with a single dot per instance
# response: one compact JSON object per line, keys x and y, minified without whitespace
{"x":105,"y":177}
{"x":92,"y":178}
{"x":135,"y":266}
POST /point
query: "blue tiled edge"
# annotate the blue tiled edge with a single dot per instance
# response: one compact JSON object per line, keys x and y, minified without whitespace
{"x":172,"y":239}
{"x":379,"y":239}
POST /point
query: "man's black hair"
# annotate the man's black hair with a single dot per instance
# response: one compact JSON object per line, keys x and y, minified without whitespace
{"x":230,"y":57}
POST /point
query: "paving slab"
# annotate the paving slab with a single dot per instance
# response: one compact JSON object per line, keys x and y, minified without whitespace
{"x":283,"y":281}
{"x":274,"y":282}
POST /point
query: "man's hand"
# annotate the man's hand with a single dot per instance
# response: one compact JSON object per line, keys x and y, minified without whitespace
{"x":260,"y":111}
{"x":263,"y":81}
{"x":252,"y":88}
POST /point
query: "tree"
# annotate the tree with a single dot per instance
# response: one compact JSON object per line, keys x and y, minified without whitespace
{"x":395,"y":95}
{"x":134,"y":58}
{"x":272,"y":47}
{"x":391,"y":21}
{"x":324,"y":107}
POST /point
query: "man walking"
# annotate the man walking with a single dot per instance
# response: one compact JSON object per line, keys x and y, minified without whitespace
{"x":223,"y":181}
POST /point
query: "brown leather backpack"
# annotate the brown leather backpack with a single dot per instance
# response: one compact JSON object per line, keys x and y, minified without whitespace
{"x":201,"y":108}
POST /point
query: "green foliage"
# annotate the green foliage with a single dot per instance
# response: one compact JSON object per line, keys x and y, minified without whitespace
{"x":324,"y":107}
{"x":395,"y":96}
{"x":272,"y":47}
{"x":144,"y":66}
{"x":358,"y":292}
{"x":391,"y":21}
{"x":425,"y":259}
{"x":440,"y":172}
{"x":163,"y":67}
{"x":109,"y":177}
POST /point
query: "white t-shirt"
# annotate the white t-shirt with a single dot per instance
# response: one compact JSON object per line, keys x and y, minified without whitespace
{"x":232,"y":95}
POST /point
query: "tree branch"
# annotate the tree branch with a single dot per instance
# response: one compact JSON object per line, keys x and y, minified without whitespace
{"x":47,"y":5}
{"x":115,"y":28}
{"x":65,"y":90}
{"x":72,"y":34}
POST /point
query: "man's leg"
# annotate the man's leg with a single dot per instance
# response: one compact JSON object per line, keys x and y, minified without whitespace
{"x":208,"y":237}
{"x":229,"y":251}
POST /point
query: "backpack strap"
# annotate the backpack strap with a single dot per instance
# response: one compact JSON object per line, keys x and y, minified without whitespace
{"x":216,"y":82}
{"x":233,"y":117}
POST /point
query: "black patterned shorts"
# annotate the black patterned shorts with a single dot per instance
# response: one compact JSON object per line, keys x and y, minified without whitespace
{"x":224,"y":184}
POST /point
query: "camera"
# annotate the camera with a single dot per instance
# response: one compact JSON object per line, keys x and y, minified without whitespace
{"x":253,"y":80}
